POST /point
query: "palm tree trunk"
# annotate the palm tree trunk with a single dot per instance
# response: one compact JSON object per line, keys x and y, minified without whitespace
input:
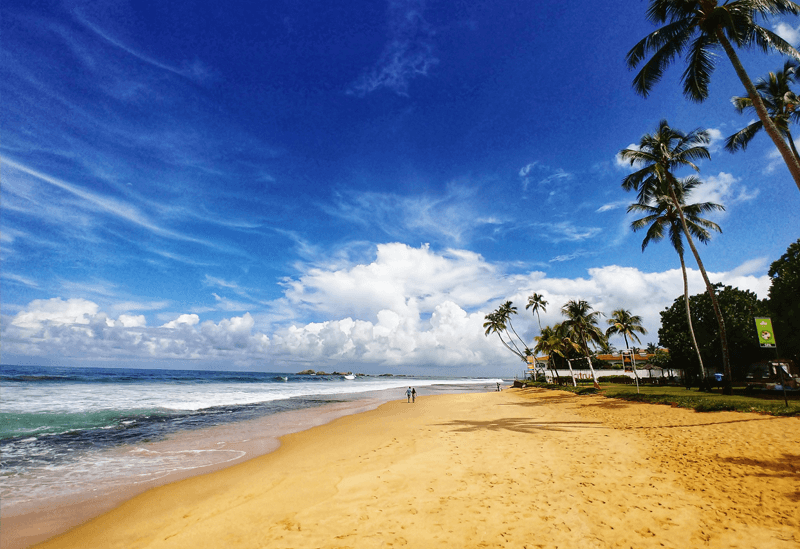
{"x":723,"y":336}
{"x":689,"y":316}
{"x":513,"y":350}
{"x":571,"y":373}
{"x":789,"y":158}
{"x":594,"y":376}
{"x":791,"y":144}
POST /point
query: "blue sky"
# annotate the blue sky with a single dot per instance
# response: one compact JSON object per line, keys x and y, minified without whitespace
{"x":285,"y":185}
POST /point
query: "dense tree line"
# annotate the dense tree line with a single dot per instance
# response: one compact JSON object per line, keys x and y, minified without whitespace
{"x":739,"y":308}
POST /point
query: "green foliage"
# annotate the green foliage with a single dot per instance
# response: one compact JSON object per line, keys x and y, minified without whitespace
{"x":738,"y":308}
{"x":702,"y":402}
{"x":784,"y":302}
{"x":624,"y":380}
{"x":569,"y":388}
{"x":661,"y":359}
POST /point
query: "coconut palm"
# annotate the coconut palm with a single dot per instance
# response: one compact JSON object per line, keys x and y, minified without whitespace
{"x":659,"y":154}
{"x":548,"y":342}
{"x":623,"y":323}
{"x":499,"y":322}
{"x":537,"y":302}
{"x":581,"y":325}
{"x":495,"y":323}
{"x":661,"y":216}
{"x":555,"y":341}
{"x":693,"y":29}
{"x":781,"y":104}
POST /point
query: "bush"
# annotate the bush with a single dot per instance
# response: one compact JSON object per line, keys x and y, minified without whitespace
{"x":624,"y":380}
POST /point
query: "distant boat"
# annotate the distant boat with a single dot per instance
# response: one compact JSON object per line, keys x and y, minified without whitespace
{"x":349,"y":376}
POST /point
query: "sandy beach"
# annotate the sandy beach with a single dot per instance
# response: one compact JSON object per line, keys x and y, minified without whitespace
{"x":519,"y":468}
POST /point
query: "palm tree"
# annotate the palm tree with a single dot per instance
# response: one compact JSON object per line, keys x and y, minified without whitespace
{"x":659,"y":154}
{"x":548,"y":342}
{"x":781,"y":103}
{"x":624,"y":323}
{"x":697,"y":27}
{"x":661,"y":215}
{"x":499,"y":322}
{"x":581,"y":324}
{"x":537,"y":302}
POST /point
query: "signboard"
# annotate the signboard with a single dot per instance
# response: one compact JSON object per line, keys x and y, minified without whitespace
{"x":766,"y":336}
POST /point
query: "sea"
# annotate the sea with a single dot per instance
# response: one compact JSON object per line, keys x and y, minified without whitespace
{"x":73,"y":432}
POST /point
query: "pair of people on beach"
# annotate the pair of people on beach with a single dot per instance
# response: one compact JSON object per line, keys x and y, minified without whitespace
{"x":411,"y":395}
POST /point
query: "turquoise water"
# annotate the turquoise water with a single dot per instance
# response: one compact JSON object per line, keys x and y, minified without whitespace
{"x":69,"y":430}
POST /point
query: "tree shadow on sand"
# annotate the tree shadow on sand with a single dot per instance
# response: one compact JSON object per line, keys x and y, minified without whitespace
{"x":520,"y":425}
{"x":605,"y":403}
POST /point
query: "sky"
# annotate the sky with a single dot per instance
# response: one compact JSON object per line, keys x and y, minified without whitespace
{"x":286,"y":185}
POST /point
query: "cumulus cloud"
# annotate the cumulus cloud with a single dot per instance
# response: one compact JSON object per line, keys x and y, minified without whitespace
{"x":409,"y":307}
{"x":787,"y":32}
{"x":724,"y":189}
{"x":626,"y":164}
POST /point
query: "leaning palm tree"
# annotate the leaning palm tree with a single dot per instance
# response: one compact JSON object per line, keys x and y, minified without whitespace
{"x":658,"y":155}
{"x":661,"y":215}
{"x":581,"y":324}
{"x":693,"y":29}
{"x":781,"y":104}
{"x":537,"y":302}
{"x":495,"y":323}
{"x":499,"y":322}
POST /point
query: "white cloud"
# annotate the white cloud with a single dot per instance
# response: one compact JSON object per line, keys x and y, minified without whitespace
{"x":613,"y":206}
{"x":182,"y":321}
{"x":723,"y":189}
{"x":715,"y":139}
{"x":56,"y":311}
{"x":409,"y":307}
{"x":409,"y":51}
{"x":787,"y":32}
{"x":451,"y":218}
{"x":626,"y":164}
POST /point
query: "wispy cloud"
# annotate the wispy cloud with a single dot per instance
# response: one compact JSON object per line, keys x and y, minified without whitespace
{"x":408,"y":54}
{"x":574,"y":255}
{"x":452,"y":217}
{"x":543,"y":176}
{"x":613,"y":206}
{"x":116,"y":208}
{"x":567,"y":231}
{"x":193,"y":70}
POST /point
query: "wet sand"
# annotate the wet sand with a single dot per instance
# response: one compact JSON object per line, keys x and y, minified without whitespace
{"x":522,"y":468}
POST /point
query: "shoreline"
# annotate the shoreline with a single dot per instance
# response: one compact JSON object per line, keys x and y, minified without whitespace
{"x":488,"y":469}
{"x":26,"y":524}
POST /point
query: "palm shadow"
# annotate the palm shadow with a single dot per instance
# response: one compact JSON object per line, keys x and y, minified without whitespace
{"x":519,"y":425}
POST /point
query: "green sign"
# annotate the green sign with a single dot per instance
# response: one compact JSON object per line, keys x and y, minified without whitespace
{"x":766,"y":336}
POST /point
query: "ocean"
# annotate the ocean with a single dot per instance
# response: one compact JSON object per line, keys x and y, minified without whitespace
{"x":78,"y":432}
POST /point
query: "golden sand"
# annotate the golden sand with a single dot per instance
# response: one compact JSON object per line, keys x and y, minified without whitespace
{"x":518,"y":469}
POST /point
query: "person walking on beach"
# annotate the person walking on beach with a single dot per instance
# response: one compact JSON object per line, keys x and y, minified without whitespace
{"x":413,"y":395}
{"x":408,"y":395}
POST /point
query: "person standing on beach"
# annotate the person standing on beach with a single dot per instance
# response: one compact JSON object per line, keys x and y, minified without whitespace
{"x":413,"y":395}
{"x":408,"y":395}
